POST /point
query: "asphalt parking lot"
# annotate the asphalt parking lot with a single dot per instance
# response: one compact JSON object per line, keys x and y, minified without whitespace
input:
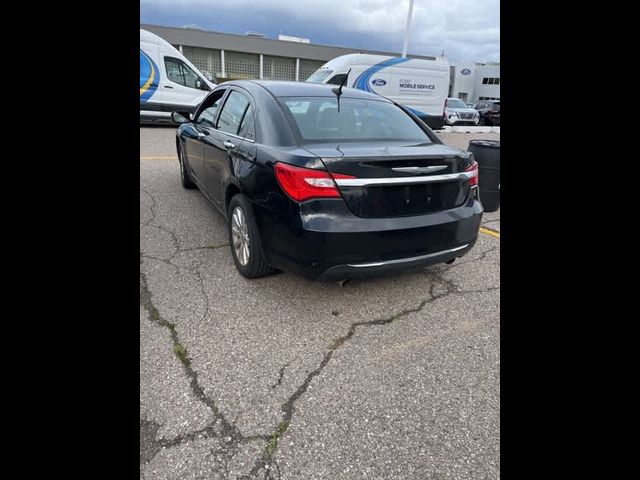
{"x":394,"y":377}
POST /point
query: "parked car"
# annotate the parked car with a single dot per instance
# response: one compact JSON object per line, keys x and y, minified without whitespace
{"x":456,"y":112}
{"x":489,"y":111}
{"x":327,"y":182}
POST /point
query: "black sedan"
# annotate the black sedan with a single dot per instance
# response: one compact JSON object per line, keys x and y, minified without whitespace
{"x":489,"y":111}
{"x":326,"y":182}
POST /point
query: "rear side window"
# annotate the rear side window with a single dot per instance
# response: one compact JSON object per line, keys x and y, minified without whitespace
{"x":318,"y":119}
{"x":233,"y":112}
{"x":179,"y":72}
{"x":246,"y":127}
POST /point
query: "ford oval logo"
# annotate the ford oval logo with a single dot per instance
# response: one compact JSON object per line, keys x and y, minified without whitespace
{"x":465,"y":71}
{"x":378,"y":82}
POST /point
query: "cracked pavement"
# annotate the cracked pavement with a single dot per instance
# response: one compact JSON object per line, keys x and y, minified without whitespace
{"x":387,"y":377}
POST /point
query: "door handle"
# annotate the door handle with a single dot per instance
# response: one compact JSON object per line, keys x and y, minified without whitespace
{"x":168,"y":86}
{"x":228,"y":145}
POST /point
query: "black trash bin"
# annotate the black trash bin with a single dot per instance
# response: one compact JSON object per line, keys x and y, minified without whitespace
{"x":487,"y":154}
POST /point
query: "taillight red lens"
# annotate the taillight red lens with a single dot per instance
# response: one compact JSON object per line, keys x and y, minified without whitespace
{"x":473,"y":168}
{"x":305,"y":183}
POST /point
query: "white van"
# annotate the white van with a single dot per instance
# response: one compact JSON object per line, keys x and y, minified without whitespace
{"x":420,"y":85}
{"x":168,"y":81}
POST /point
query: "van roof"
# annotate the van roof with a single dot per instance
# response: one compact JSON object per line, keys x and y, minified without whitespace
{"x":147,"y":36}
{"x":343,"y":61}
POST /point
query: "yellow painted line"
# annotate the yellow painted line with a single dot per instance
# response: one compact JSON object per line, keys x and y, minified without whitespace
{"x":488,"y":231}
{"x":159,"y":158}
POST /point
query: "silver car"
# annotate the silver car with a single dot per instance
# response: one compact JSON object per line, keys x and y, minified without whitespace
{"x":456,"y":112}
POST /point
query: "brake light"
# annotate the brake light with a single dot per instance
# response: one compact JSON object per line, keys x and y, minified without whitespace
{"x":473,"y":181}
{"x":305,"y":183}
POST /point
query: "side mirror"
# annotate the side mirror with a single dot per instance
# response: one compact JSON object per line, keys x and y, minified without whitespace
{"x":208,"y":76}
{"x":181,"y":117}
{"x":202,"y":85}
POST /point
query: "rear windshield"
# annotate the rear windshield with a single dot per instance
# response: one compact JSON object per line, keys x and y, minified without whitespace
{"x":319,"y":76}
{"x":318,"y":119}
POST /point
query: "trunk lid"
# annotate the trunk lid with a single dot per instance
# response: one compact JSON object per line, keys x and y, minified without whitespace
{"x":397,"y":179}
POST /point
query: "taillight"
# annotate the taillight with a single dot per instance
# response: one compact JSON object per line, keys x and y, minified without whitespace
{"x":473,"y":168}
{"x":305,"y":183}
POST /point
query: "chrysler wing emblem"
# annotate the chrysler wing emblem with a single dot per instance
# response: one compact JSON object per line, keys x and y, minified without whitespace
{"x":433,"y":168}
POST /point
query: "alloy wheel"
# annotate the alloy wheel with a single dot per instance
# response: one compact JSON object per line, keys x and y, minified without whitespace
{"x":240,"y":236}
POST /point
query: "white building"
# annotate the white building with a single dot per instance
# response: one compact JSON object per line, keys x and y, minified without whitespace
{"x":472,"y":81}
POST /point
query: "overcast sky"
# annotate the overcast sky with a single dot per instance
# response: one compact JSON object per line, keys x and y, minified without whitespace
{"x":465,"y":29}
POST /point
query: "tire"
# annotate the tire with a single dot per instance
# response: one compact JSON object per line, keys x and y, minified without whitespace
{"x":185,"y":177}
{"x":244,"y":239}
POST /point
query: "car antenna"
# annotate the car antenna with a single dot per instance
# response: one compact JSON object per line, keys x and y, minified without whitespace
{"x":338,"y":90}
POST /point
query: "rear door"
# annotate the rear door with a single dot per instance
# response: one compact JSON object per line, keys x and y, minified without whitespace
{"x":223,"y":146}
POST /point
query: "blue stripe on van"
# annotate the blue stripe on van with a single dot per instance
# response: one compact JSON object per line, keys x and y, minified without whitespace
{"x":362,"y":82}
{"x":149,"y":77}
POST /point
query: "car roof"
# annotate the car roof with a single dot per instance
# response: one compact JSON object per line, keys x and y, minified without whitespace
{"x":284,"y":88}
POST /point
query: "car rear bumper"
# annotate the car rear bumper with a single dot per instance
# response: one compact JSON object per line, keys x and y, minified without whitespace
{"x":354,"y":270}
{"x":323,"y":240}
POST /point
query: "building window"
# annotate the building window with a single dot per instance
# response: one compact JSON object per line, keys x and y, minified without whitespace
{"x":242,"y":65}
{"x":279,"y":68}
{"x":204,"y":59}
{"x":308,"y":67}
{"x":491,"y":81}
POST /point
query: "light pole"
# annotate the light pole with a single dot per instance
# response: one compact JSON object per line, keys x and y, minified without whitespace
{"x":407,"y":29}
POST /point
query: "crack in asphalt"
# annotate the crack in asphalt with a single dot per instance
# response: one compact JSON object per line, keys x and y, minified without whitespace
{"x":220,"y":427}
{"x":482,"y":256}
{"x":280,"y":375}
{"x":226,"y":431}
{"x":163,"y":260}
{"x":288,"y":408}
{"x":174,"y":237}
